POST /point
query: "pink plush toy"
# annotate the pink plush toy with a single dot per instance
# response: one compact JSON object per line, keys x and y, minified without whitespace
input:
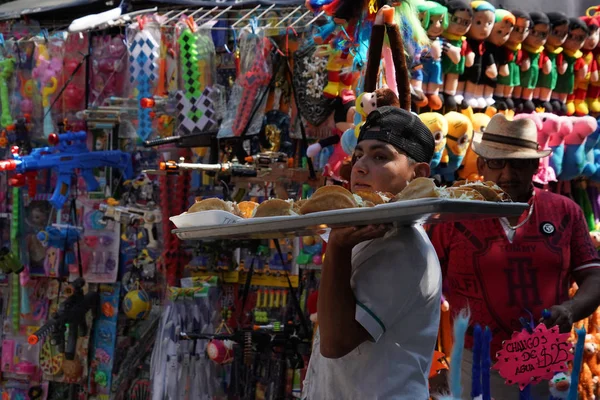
{"x":555,"y":142}
{"x":546,"y":124}
{"x":574,"y":158}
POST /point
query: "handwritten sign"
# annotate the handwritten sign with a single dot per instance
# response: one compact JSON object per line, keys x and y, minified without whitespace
{"x":528,"y":358}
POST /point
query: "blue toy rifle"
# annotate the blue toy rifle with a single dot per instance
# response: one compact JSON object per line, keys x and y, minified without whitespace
{"x":69,"y":154}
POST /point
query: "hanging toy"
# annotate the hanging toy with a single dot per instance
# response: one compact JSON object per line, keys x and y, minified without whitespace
{"x":438,"y":126}
{"x":509,"y":71}
{"x":460,"y":135}
{"x":495,"y":61}
{"x":365,"y":104}
{"x":555,"y":142}
{"x":532,"y":61}
{"x":475,"y":69}
{"x":468,"y":169}
{"x":136,"y":304}
{"x":454,"y":47}
{"x":591,"y":146}
{"x":344,"y":120}
{"x":574,"y":154}
{"x":552,"y":63}
{"x":576,"y":69}
{"x":434,"y":18}
{"x":583,"y":84}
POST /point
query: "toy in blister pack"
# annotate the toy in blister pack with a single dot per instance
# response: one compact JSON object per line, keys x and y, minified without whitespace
{"x":60,"y":242}
{"x":19,"y":359}
{"x":99,"y":249}
{"x":108,"y":61}
{"x":37,"y":217}
{"x":105,"y":336}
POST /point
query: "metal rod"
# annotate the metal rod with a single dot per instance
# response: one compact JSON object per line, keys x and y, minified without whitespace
{"x":221,"y":13}
{"x":288,"y":16}
{"x":206,"y":14}
{"x":312,"y":21}
{"x":299,"y":19}
{"x":246,"y":16}
{"x":196,"y":12}
{"x":174,"y":17}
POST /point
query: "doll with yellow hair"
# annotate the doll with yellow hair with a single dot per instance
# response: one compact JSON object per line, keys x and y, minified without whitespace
{"x":458,"y":140}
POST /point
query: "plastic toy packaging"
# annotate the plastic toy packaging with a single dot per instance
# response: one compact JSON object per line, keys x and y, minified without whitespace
{"x":143,"y":47}
{"x":49,"y":56}
{"x":73,"y":98}
{"x":247,"y":101}
{"x":109,"y":62}
{"x":99,"y":249}
{"x":196,"y":102}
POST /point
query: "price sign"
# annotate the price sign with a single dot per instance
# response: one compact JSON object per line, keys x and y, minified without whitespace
{"x":528,"y":358}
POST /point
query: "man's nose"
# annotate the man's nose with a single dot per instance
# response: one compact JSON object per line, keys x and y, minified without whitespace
{"x":361,"y":166}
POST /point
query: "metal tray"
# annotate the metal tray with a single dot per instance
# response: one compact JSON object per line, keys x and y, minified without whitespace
{"x":401,"y":213}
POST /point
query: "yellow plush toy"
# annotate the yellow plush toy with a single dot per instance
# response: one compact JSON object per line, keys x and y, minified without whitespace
{"x":438,"y":125}
{"x":468,"y":169}
{"x":458,"y":140}
{"x":365,"y":103}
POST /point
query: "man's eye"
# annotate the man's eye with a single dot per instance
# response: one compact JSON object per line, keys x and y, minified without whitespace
{"x":379,"y":157}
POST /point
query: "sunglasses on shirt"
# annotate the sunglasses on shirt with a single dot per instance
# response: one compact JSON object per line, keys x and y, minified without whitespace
{"x":498,"y":164}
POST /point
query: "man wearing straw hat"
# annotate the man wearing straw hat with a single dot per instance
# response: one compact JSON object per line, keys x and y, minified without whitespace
{"x":507,"y":269}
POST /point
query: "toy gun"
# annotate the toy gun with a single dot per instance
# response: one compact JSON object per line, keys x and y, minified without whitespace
{"x":265,"y":167}
{"x":123,"y":214}
{"x":68,"y":321}
{"x":69,"y":154}
{"x":9,"y":262}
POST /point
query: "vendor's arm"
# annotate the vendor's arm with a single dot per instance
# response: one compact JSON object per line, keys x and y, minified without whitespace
{"x":340,"y":332}
{"x":585,"y":270}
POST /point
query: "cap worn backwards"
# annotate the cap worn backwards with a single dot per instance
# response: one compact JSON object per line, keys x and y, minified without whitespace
{"x":402,"y":130}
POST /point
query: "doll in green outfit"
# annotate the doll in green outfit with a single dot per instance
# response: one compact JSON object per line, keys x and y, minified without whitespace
{"x":553,"y":61}
{"x":460,"y":16}
{"x":578,"y":33}
{"x":531,"y":61}
{"x":509,"y":74}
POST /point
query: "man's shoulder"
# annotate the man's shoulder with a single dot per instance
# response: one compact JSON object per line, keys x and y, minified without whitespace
{"x":549,"y":200}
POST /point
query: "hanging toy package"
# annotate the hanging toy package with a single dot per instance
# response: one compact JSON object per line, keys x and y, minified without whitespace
{"x":108,"y":62}
{"x":75,"y":58}
{"x":197,"y":67}
{"x":247,"y":100}
{"x":143,"y":44}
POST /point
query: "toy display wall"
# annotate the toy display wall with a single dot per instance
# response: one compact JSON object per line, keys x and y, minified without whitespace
{"x":118,"y":122}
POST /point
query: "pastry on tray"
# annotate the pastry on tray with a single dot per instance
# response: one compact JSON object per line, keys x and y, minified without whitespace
{"x":423,"y":188}
{"x":247,"y":208}
{"x":214,"y":203}
{"x":274,"y":208}
{"x":329,"y":198}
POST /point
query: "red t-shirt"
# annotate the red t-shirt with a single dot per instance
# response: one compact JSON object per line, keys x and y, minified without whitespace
{"x":501,"y":280}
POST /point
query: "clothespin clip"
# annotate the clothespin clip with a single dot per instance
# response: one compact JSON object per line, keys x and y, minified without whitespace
{"x":191,"y":23}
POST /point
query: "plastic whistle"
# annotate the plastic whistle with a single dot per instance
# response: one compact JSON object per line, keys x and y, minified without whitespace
{"x":258,"y":296}
{"x":277,"y":297}
{"x":271,"y":298}
{"x":284,"y":298}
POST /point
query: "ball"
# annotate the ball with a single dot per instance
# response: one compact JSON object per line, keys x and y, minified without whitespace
{"x":136,"y":304}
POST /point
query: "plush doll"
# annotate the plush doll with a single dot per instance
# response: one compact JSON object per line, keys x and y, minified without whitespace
{"x":559,"y":386}
{"x":438,"y":125}
{"x":582,"y":84}
{"x":532,"y":60}
{"x":574,"y":158}
{"x":576,"y":66}
{"x":454,"y":48}
{"x":586,"y":384}
{"x":468,"y":170}
{"x":509,"y":74}
{"x":483,"y":22}
{"x":546,"y":124}
{"x":344,"y":119}
{"x":495,"y":60}
{"x":552,"y":61}
{"x":555,"y":142}
{"x":434,"y":18}
{"x":591,"y":145}
{"x":365,"y":103}
{"x":458,"y":139}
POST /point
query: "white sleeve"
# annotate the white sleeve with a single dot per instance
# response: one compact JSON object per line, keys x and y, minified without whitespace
{"x":384,"y":286}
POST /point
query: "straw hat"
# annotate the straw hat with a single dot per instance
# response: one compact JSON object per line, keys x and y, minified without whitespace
{"x":508,"y":139}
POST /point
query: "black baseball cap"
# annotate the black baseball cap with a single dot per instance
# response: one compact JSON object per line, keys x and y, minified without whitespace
{"x":401,"y":129}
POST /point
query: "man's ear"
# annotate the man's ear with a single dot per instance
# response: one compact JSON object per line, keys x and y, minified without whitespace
{"x":422,"y":170}
{"x":480,"y":165}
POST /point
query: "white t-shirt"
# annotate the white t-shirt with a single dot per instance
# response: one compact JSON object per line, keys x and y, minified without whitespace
{"x":397,"y":284}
